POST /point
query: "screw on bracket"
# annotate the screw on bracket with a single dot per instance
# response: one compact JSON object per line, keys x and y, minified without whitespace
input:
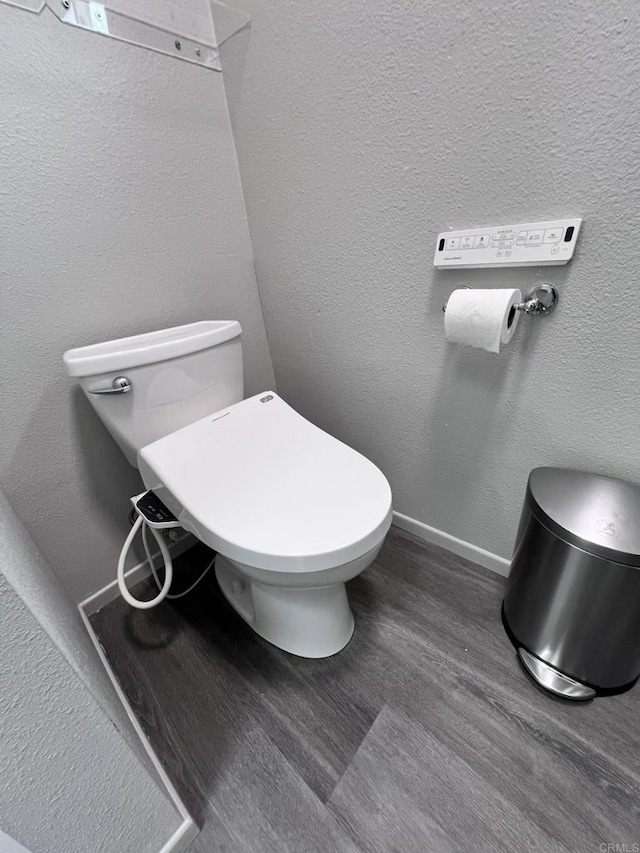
{"x":178,"y":45}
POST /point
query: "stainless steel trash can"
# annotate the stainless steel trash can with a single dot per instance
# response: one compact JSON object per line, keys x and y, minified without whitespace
{"x":572,"y":607}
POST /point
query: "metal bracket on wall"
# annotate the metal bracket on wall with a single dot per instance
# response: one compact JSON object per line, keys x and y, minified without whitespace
{"x":183,"y":29}
{"x":191,"y":30}
{"x":117,"y":24}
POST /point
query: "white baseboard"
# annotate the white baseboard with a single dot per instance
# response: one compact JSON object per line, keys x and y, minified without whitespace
{"x":188,"y":830}
{"x":457,"y":546}
{"x":110,"y":592}
{"x":181,"y":838}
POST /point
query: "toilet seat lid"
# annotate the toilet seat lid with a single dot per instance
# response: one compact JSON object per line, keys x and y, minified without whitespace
{"x":264,"y":486}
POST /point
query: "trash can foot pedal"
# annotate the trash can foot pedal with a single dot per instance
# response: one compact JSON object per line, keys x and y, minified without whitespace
{"x":552,"y":680}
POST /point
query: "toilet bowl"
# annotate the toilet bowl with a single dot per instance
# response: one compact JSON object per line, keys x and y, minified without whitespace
{"x":292,"y":512}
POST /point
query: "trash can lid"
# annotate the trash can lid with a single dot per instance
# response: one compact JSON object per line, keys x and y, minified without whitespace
{"x":599,"y":514}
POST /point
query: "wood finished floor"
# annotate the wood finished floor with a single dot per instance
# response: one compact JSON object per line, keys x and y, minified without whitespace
{"x":422,"y":736}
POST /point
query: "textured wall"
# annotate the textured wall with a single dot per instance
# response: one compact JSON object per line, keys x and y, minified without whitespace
{"x":365,"y":128}
{"x":69,"y":781}
{"x":41,"y":591}
{"x":121,"y":212}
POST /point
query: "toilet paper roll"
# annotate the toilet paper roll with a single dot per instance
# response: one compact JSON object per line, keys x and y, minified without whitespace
{"x":482,"y":318}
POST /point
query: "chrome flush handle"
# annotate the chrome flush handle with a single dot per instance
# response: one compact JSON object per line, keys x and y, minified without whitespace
{"x":120,"y":385}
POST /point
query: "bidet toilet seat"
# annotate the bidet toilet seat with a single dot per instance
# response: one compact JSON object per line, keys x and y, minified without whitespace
{"x":262,"y":485}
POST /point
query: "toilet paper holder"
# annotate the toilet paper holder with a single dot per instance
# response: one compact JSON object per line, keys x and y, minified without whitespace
{"x":541,"y":299}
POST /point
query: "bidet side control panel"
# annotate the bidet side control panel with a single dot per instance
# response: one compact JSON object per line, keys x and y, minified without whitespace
{"x":530,"y":244}
{"x":154,"y":512}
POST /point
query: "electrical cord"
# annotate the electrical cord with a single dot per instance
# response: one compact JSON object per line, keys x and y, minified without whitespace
{"x":151,"y":560}
{"x":168,"y":567}
{"x":164,"y":590}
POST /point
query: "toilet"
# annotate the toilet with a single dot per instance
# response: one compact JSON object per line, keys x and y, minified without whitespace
{"x":292,"y":512}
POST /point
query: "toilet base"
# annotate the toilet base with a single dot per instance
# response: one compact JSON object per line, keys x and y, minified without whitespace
{"x":311,"y":622}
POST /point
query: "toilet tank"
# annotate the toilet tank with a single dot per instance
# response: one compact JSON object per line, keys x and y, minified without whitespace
{"x":175,"y":376}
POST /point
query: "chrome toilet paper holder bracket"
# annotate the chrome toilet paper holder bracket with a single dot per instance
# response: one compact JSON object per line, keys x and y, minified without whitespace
{"x":540,"y":299}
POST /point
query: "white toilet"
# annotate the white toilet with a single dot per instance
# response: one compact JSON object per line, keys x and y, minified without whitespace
{"x":292,"y":512}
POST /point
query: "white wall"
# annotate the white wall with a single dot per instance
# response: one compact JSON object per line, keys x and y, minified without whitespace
{"x":33,"y":580}
{"x":69,"y":780}
{"x":121,"y":211}
{"x":363,"y":129}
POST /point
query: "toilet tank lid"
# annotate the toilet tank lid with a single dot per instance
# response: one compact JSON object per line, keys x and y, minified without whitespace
{"x":150,"y":347}
{"x":599,"y":514}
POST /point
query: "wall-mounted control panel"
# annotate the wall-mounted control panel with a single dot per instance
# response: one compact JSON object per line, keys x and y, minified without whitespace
{"x":530,"y":244}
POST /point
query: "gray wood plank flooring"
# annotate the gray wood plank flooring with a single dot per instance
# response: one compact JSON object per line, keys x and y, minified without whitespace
{"x":422,"y":735}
